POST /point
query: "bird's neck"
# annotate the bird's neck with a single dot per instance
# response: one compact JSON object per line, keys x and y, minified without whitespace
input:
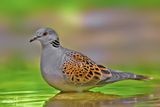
{"x":55,"y":44}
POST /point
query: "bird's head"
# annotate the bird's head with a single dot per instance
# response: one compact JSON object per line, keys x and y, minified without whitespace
{"x":46,"y":36}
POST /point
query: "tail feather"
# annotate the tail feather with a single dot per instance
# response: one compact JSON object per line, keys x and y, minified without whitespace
{"x":118,"y":76}
{"x":141,"y":77}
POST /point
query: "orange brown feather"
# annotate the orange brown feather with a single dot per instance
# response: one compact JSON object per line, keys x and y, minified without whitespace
{"x":81,"y":70}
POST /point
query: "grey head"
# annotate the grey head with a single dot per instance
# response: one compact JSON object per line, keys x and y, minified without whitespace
{"x":46,"y":36}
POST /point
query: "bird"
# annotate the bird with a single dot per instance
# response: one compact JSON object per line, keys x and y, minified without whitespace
{"x":71,"y":71}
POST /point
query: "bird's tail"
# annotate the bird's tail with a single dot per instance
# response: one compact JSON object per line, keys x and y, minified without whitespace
{"x":118,"y":76}
{"x":141,"y":77}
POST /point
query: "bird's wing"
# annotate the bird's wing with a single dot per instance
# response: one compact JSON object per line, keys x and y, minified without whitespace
{"x":81,"y":70}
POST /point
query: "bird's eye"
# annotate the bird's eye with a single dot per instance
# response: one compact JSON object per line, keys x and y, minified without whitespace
{"x":45,"y":33}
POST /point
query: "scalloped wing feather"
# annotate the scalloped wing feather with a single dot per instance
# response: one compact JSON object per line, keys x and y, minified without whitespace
{"x":81,"y":70}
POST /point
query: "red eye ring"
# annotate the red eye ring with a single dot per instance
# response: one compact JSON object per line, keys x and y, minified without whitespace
{"x":45,"y":33}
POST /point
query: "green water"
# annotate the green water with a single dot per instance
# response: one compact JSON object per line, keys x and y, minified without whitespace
{"x":23,"y":86}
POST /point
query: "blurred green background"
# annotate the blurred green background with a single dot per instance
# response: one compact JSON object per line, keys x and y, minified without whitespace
{"x":120,"y":34}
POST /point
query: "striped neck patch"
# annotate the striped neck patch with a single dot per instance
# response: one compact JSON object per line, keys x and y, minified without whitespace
{"x":55,"y":43}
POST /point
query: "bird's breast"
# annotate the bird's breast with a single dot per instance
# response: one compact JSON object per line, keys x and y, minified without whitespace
{"x":50,"y":68}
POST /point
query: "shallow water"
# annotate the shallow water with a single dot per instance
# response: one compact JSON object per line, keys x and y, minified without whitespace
{"x":23,"y":86}
{"x":101,"y":100}
{"x":87,"y":99}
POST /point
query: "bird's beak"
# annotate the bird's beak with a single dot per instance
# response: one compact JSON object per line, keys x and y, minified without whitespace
{"x":34,"y":38}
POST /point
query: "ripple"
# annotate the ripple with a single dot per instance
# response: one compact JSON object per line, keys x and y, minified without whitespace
{"x":88,"y":99}
{"x":21,"y":98}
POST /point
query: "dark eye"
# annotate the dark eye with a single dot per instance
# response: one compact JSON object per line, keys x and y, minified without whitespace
{"x":45,"y":33}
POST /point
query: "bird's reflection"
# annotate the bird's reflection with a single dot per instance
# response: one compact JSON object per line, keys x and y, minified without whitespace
{"x":87,"y":99}
{"x":92,"y":99}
